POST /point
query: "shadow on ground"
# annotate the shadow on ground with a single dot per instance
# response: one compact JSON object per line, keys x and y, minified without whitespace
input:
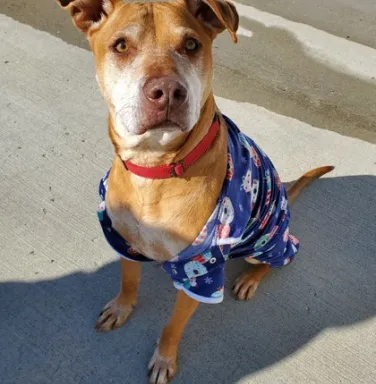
{"x":47,"y":327}
{"x":356,"y":23}
{"x":273,"y":69}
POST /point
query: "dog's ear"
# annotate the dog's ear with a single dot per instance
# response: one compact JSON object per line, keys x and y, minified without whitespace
{"x":218,"y":15}
{"x":88,"y":13}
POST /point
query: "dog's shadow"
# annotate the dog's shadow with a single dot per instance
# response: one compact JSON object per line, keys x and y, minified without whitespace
{"x":47,"y":327}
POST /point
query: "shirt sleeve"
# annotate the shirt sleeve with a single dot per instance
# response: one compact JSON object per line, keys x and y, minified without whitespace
{"x":207,"y":288}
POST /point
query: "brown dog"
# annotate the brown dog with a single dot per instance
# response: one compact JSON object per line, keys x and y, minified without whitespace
{"x":154,"y":68}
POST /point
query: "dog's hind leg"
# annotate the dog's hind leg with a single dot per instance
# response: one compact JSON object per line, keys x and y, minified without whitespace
{"x":246,"y":284}
{"x":116,"y":312}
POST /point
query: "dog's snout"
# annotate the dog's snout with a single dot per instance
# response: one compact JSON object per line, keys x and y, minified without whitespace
{"x":165,"y":103}
{"x":163,"y":92}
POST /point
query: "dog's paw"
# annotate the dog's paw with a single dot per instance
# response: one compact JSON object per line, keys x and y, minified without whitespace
{"x":245,"y":286}
{"x":161,"y":369}
{"x":114,"y":315}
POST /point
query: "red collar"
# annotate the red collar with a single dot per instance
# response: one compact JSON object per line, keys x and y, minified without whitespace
{"x":178,"y":168}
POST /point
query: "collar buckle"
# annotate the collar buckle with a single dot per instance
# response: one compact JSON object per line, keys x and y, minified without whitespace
{"x":177,"y":169}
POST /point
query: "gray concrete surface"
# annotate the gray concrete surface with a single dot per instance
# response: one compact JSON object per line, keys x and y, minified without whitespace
{"x":275,"y":68}
{"x":312,"y":322}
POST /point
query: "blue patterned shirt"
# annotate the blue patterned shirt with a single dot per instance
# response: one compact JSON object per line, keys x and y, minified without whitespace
{"x":250,"y":220}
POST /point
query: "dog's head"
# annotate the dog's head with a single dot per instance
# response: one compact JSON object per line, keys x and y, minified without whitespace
{"x":153,"y":60}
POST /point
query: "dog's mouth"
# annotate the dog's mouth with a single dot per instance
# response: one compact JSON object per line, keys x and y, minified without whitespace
{"x":167,"y":126}
{"x":162,"y":126}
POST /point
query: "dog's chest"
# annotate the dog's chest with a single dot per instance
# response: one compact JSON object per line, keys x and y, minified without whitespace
{"x":158,"y":226}
{"x":146,"y":234}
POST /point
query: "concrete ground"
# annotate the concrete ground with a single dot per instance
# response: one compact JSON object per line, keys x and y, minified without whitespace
{"x":302,"y":83}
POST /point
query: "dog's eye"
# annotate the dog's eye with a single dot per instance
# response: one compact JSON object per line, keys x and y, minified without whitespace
{"x":191,"y":45}
{"x":120,"y":46}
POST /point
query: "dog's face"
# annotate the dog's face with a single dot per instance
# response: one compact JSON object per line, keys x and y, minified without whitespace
{"x":153,"y":60}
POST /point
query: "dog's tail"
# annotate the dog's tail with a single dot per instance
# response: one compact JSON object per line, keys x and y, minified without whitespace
{"x":294,"y":190}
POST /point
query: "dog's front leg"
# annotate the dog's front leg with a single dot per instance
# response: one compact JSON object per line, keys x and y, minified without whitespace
{"x":116,"y":312}
{"x":162,"y":366}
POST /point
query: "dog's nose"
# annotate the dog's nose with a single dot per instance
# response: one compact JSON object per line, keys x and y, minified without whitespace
{"x":163,"y":92}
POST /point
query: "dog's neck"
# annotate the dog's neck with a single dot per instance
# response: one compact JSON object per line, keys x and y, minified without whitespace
{"x":152,"y":152}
